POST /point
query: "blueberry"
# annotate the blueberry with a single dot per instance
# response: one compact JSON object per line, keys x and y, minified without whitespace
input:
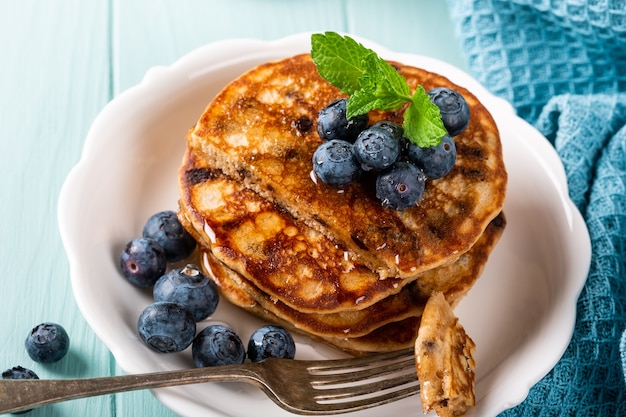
{"x":18,"y":372}
{"x":166,"y":229}
{"x":190,"y":288}
{"x":166,"y":327}
{"x":434,"y":161}
{"x":217,"y":345}
{"x":47,"y":343}
{"x":455,"y":112}
{"x":143,"y":261}
{"x":401,"y":186}
{"x":377,"y":148}
{"x":335,"y":164}
{"x":333,"y":124}
{"x":389,"y":126}
{"x":271,"y":342}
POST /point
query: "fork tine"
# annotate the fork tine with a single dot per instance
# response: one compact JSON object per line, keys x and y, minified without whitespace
{"x":351,"y":363}
{"x":330,"y":386}
{"x":374,"y":370}
{"x":327,"y":407}
{"x":365,"y":389}
{"x":349,"y":385}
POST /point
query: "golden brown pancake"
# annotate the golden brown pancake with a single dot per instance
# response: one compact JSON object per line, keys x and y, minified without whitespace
{"x":327,"y":262}
{"x":260,"y":131}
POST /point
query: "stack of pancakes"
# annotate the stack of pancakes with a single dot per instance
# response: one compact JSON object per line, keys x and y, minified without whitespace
{"x":327,"y":262}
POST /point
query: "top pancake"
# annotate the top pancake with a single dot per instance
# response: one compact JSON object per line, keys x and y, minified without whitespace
{"x":260,"y":130}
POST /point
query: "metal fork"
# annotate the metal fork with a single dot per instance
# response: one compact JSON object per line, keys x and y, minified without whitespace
{"x":318,"y":387}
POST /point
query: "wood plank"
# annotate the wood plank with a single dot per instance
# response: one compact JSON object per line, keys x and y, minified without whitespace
{"x":159,"y":35}
{"x":53,"y":85}
{"x":420,"y":27}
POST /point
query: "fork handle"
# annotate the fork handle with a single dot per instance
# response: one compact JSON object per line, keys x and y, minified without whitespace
{"x":24,"y":394}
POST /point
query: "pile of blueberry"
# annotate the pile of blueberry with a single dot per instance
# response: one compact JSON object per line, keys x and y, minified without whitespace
{"x":185,"y":296}
{"x":163,"y":240}
{"x":351,"y":149}
{"x":218,"y":344}
{"x":182,"y":297}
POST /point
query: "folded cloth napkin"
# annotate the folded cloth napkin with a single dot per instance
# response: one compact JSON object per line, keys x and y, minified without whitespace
{"x":562,"y":65}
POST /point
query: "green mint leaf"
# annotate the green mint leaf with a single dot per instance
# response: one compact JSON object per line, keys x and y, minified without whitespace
{"x":379,"y":76}
{"x":422,"y":121}
{"x":382,"y":88}
{"x":373,"y":84}
{"x":339,"y":60}
{"x":363,"y":101}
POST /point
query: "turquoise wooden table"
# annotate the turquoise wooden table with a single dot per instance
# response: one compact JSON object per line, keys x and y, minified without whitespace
{"x":62,"y":61}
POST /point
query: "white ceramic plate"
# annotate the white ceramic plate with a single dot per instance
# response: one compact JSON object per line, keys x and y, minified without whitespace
{"x":521,"y":312}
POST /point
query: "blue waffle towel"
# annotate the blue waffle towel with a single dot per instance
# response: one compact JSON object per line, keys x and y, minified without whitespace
{"x":562,"y":64}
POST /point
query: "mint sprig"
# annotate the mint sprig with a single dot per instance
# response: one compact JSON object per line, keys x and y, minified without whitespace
{"x":373,"y":84}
